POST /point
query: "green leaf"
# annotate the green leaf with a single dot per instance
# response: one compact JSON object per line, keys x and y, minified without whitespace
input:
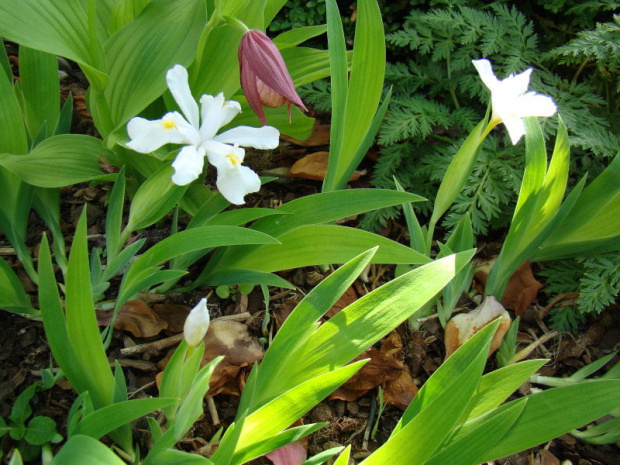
{"x":539,"y":200}
{"x":82,"y":327}
{"x":151,"y":44}
{"x":297,"y":36}
{"x":38,"y":72}
{"x":21,"y":409}
{"x":56,"y":27}
{"x":40,"y":430}
{"x":591,"y":227}
{"x":114,"y":216}
{"x":556,"y":411}
{"x":458,"y":171}
{"x":434,"y":417}
{"x":298,"y":327}
{"x":110,"y":417}
{"x":353,"y":111}
{"x":13,"y":138}
{"x":59,"y":161}
{"x":318,"y":244}
{"x":155,"y":198}
{"x":285,"y":409}
{"x":476,"y":437}
{"x":78,"y":447}
{"x":365,"y":321}
{"x":13,"y":298}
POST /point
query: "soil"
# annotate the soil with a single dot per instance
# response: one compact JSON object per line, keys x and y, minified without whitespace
{"x":24,"y":352}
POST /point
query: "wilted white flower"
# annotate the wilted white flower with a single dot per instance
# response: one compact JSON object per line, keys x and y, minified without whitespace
{"x":511,"y":101}
{"x":197,"y":130}
{"x":196,"y":324}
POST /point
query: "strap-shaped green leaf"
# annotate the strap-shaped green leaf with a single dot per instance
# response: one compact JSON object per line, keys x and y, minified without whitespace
{"x":59,"y":161}
{"x":80,"y":446}
{"x":556,"y":411}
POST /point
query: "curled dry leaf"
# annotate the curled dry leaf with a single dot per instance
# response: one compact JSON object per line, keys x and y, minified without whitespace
{"x":383,"y":369}
{"x":463,"y":326}
{"x":232,"y":340}
{"x":521,"y":290}
{"x":314,"y":166}
{"x":319,"y":136}
{"x":137,"y":318}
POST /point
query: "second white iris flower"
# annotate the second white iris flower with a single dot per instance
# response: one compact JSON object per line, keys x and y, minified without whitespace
{"x":198,"y":132}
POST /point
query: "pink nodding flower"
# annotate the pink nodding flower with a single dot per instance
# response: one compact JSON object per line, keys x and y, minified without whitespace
{"x":264,"y":77}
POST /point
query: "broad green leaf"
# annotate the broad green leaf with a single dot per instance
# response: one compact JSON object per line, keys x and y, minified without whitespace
{"x":55,"y":324}
{"x":13,"y":298}
{"x":154,"y":199}
{"x":476,"y":437}
{"x":331,"y":206}
{"x":179,"y":457}
{"x":38,"y":73}
{"x":139,"y":55}
{"x":13,"y":138}
{"x":59,"y":161}
{"x":110,"y":417}
{"x":434,"y":422}
{"x":592,"y":225}
{"x":40,"y":430}
{"x":344,"y":457}
{"x":242,"y":216}
{"x":219,"y":45}
{"x":297,"y":36}
{"x":351,"y":123}
{"x":318,"y":244}
{"x":556,"y":411}
{"x":306,"y":64}
{"x":495,"y":387}
{"x":237,"y":276}
{"x":78,"y":447}
{"x":364,"y":322}
{"x":82,"y":327}
{"x":300,"y":324}
{"x":539,"y":200}
{"x":57,"y":27}
{"x":458,"y":171}
{"x":284,"y":410}
{"x":274,"y":442}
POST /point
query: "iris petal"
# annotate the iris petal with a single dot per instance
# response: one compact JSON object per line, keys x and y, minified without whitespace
{"x":266,"y":137}
{"x":187,"y":165}
{"x":177,"y":80}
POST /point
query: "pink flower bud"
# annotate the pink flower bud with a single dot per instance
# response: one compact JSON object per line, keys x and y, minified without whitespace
{"x":264,"y":77}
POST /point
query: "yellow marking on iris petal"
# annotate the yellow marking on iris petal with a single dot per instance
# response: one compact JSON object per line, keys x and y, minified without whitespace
{"x":169,"y":123}
{"x":233,"y":159}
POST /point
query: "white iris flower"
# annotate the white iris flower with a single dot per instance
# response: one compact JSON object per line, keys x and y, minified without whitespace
{"x":511,"y":101}
{"x":197,"y":130}
{"x":196,"y":324}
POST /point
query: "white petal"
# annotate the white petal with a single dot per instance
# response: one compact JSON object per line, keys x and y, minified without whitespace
{"x":235,"y":182}
{"x":187,"y":165}
{"x":223,"y":155}
{"x":533,"y":104}
{"x":178,"y":84}
{"x":215,"y":113}
{"x":515,"y":127}
{"x":486,"y":73}
{"x":265,"y":137}
{"x":147,"y":136}
{"x":516,"y":85}
{"x":196,"y":324}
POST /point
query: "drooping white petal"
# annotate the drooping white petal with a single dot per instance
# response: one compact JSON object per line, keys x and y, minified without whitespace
{"x":215,"y":113}
{"x":196,"y":324}
{"x":177,"y":80}
{"x":187,"y":165}
{"x":533,"y":104}
{"x":515,"y":127}
{"x":265,"y":137}
{"x":235,"y":182}
{"x":147,"y":136}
